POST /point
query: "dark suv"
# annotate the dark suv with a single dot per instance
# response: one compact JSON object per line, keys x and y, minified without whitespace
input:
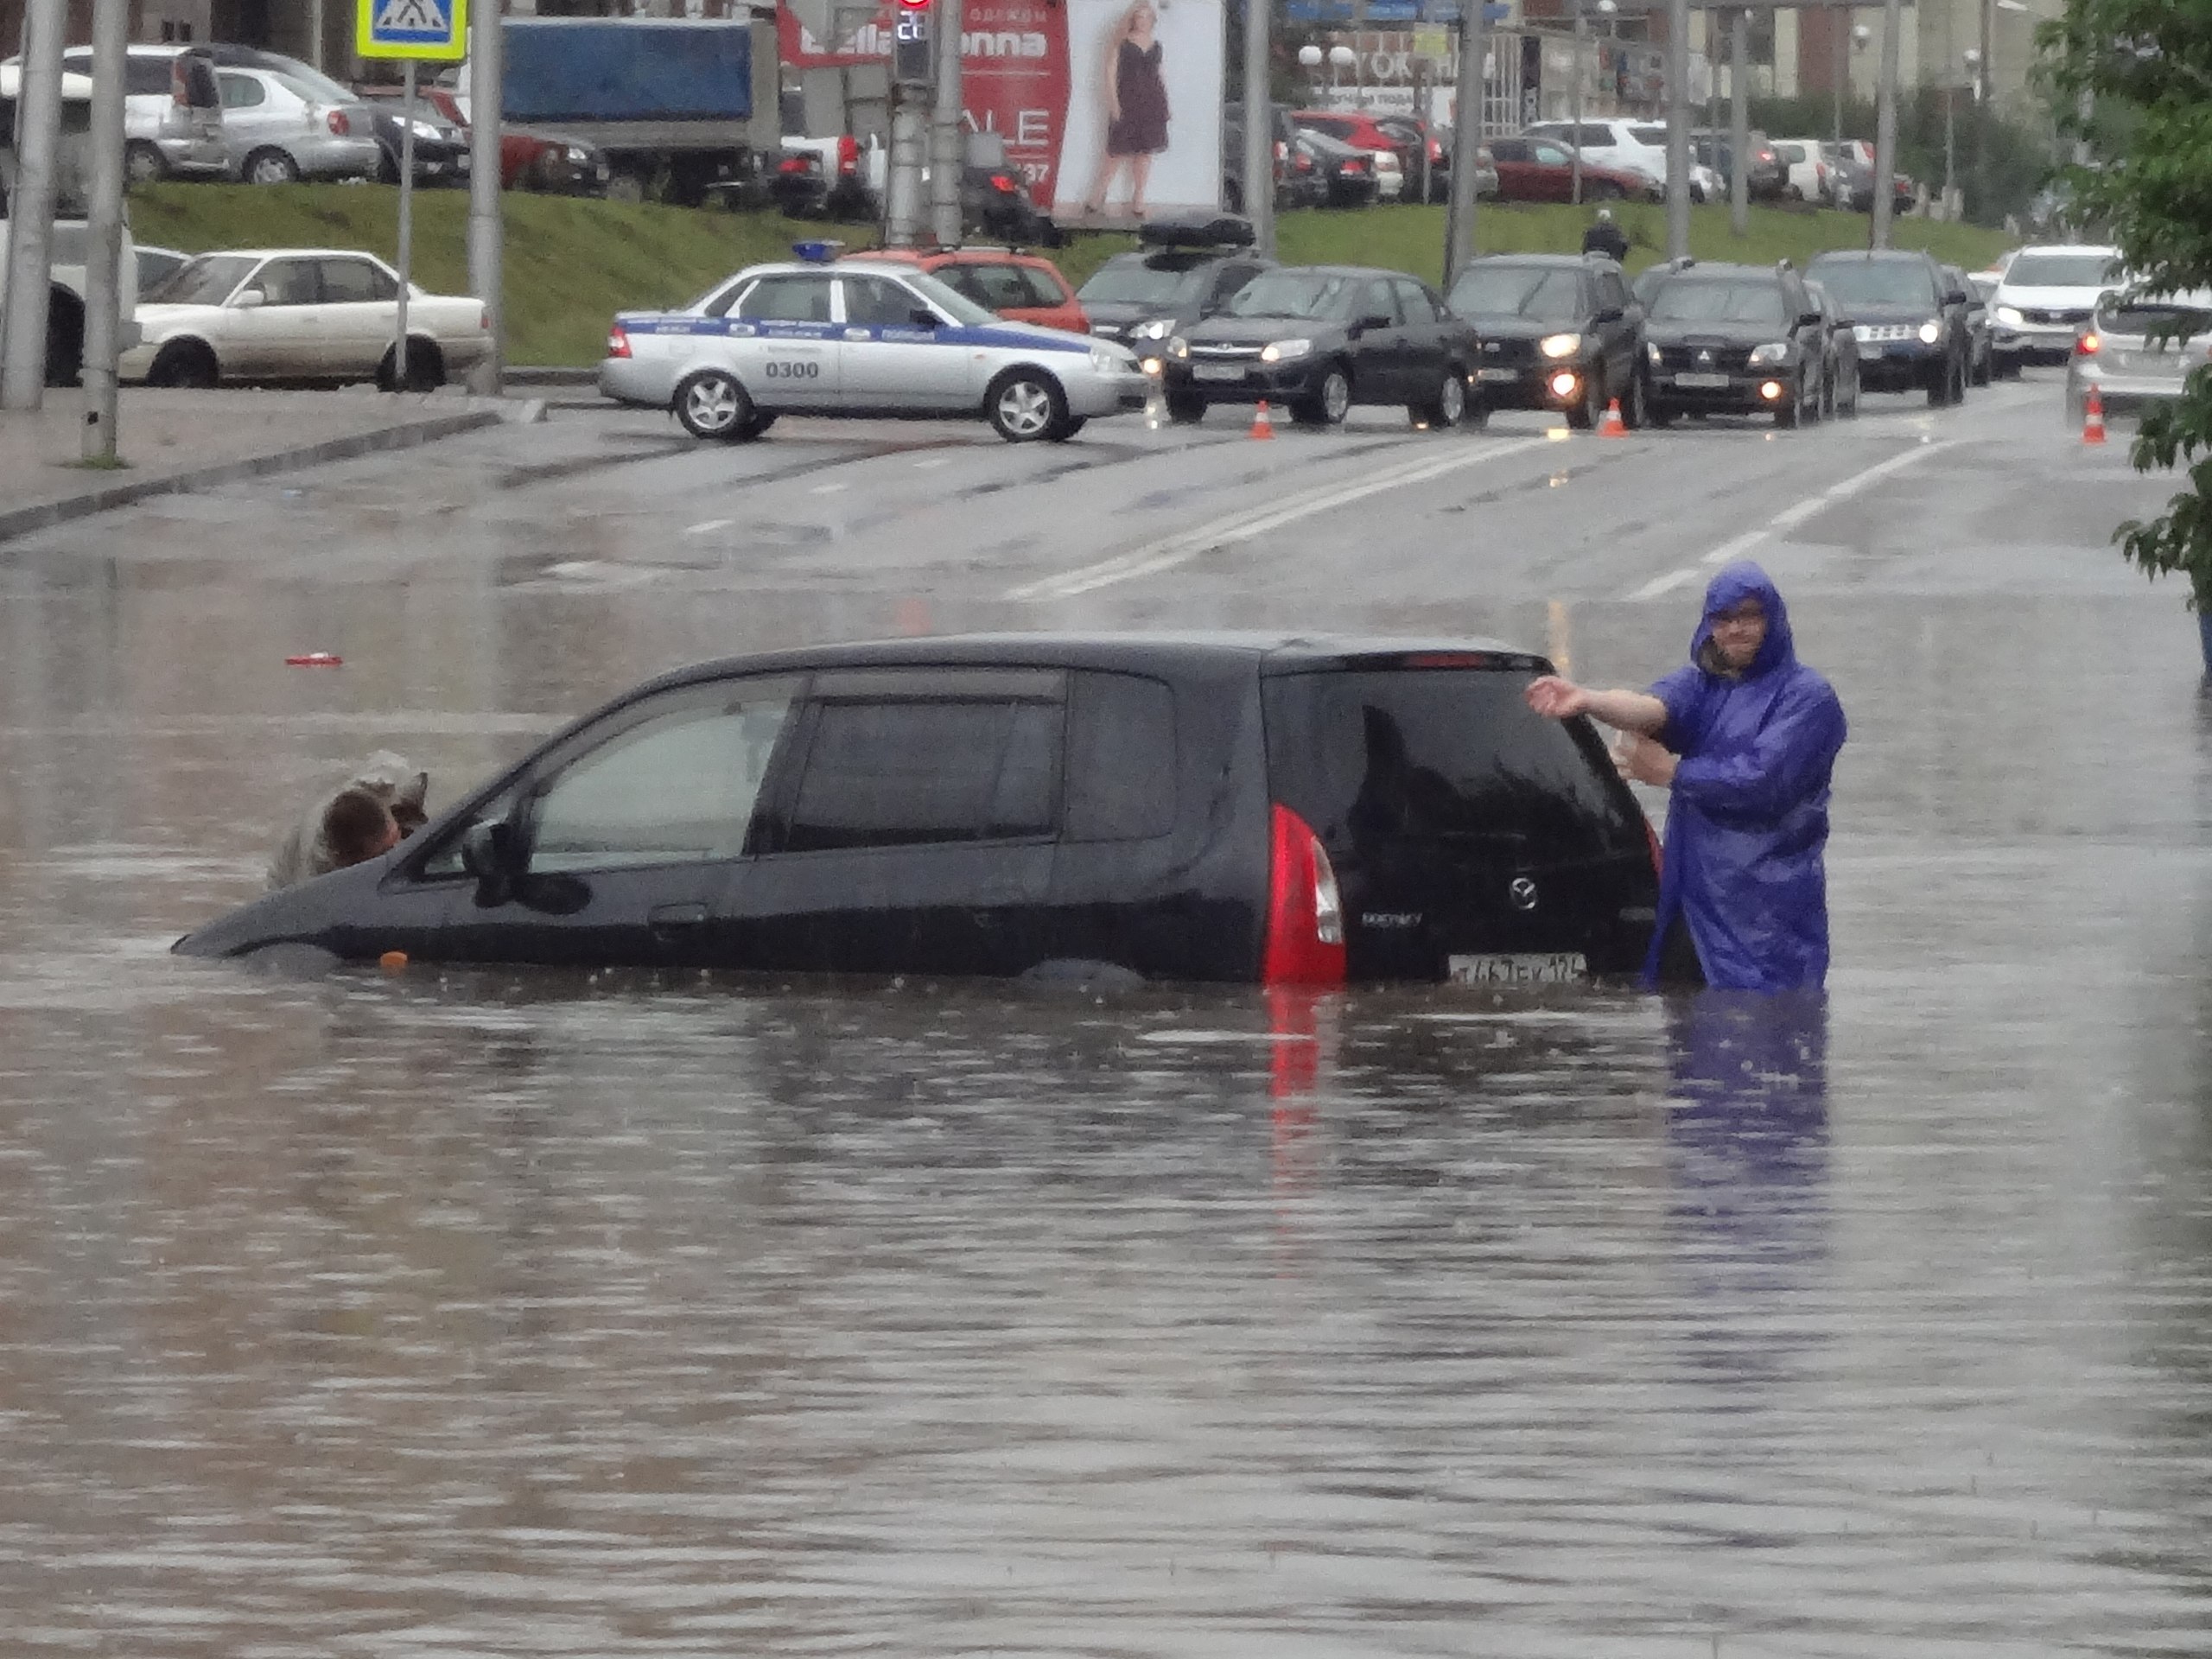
{"x":1910,"y":321}
{"x":1556,"y":332}
{"x":1271,"y":810}
{"x":1181,"y":270}
{"x":1735,"y":339}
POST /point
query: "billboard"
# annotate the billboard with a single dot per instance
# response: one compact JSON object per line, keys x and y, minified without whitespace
{"x":1143,"y":127}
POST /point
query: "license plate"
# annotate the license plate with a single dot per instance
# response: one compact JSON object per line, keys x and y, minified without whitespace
{"x":1701,"y":382}
{"x":1508,"y":375}
{"x":1555,"y":968}
{"x":1218,"y":372}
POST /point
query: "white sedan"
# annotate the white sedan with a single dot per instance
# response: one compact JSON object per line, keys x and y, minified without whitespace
{"x":299,"y":313}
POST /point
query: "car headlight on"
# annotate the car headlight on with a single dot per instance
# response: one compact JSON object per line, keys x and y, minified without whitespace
{"x":2009,"y":313}
{"x":1559,"y":345}
{"x":1861,"y":332}
{"x":1651,"y":354}
{"x":578,"y":157}
{"x":1775,"y":350}
{"x":1930,"y":332}
{"x":1158,"y":328}
{"x":1179,"y":348}
{"x":1285,"y":351}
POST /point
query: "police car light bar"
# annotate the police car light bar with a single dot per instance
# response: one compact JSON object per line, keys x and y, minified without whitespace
{"x":816,"y":253}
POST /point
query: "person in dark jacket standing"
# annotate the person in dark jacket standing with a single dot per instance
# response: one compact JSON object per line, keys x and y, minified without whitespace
{"x":1606,"y":237}
{"x":1746,"y":736}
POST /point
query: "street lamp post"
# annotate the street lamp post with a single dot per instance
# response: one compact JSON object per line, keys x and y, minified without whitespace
{"x":1341,"y":57}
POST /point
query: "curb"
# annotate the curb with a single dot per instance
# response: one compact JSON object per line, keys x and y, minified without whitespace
{"x":543,"y":376}
{"x":123,"y":492}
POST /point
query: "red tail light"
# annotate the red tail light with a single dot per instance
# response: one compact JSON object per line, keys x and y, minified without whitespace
{"x":1355,"y":167}
{"x":336,"y":123}
{"x":618,"y":340}
{"x":1003,"y":182}
{"x":1306,"y":917}
{"x":180,"y":89}
{"x":2087,"y":344}
{"x":849,"y":154}
{"x":791,"y":164}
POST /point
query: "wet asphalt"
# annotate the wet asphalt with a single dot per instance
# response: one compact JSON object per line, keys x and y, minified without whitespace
{"x":471,"y":1314}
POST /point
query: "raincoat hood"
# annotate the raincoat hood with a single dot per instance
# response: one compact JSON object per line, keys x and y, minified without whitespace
{"x":1734,"y":584}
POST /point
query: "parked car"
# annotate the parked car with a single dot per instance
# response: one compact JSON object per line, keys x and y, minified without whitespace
{"x":1021,"y":287}
{"x":1347,"y":175}
{"x":1628,"y":146}
{"x":1181,"y":270}
{"x":1851,"y":178}
{"x":1295,"y":187}
{"x":69,"y":249}
{"x":543,"y":162}
{"x":1805,"y":170}
{"x":1428,"y":171}
{"x":1076,"y":806}
{"x":827,"y":178}
{"x":441,"y":152}
{"x":1764,"y":178}
{"x":1319,"y":339}
{"x":279,"y":129}
{"x":1364,"y":132}
{"x":2046,"y":295}
{"x":2137,"y":348}
{"x":376,"y":119}
{"x":1555,"y":333}
{"x":156,"y":266}
{"x":1909,"y":317}
{"x":1540,"y":170}
{"x":812,"y":338}
{"x":1980,"y":356}
{"x":172,"y":111}
{"x":1841,"y":378}
{"x":1736,"y":340}
{"x":299,"y":313}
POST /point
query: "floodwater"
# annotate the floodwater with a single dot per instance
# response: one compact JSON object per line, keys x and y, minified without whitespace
{"x":455,"y":1314}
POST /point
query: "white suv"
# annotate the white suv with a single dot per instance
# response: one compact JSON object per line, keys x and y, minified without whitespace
{"x":1638,"y":146}
{"x":2044,"y":296}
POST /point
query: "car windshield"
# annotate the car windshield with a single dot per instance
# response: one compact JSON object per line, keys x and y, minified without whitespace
{"x":1142,"y":283}
{"x":2184,"y":316}
{"x":1296,"y":294}
{"x":207,"y":280}
{"x":1533,"y":291}
{"x":1877,"y":281}
{"x":1708,"y":301}
{"x":2061,"y":270}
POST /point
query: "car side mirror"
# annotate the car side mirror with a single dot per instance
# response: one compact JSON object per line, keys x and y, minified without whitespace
{"x":1611,"y":313}
{"x":1811,"y":318}
{"x":249,"y":299}
{"x":922,"y":317}
{"x":1956,"y":296}
{"x":1375,"y":319}
{"x":487,"y":850}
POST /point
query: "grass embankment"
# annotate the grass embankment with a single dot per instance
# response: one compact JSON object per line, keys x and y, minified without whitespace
{"x":571,"y":264}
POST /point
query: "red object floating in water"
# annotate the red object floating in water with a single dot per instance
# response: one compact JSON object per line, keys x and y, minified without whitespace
{"x":315,"y":659}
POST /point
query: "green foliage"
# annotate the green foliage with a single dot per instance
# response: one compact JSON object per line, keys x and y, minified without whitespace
{"x":1999,"y":164}
{"x":2152,"y":59}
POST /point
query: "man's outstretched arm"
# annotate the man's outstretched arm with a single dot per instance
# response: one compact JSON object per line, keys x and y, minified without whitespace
{"x":1631,"y":711}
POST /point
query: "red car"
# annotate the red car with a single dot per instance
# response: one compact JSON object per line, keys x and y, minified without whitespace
{"x":543,"y":161}
{"x":1020,"y":286}
{"x":1541,"y":169}
{"x":1360,"y":131}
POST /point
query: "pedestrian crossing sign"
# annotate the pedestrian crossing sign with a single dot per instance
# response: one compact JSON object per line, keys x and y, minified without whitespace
{"x":437,"y":30}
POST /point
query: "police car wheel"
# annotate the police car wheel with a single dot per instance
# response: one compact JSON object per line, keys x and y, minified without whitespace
{"x":711,"y":404}
{"x":1025,"y":405}
{"x":1067,"y":429}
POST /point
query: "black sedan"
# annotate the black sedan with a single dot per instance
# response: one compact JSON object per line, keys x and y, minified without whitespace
{"x":1347,"y":176}
{"x":1321,"y":337}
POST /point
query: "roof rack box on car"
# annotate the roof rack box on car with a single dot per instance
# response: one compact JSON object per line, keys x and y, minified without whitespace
{"x":1197,"y":231}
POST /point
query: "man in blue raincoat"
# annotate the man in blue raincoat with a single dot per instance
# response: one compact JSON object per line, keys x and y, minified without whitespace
{"x":1746,"y":736}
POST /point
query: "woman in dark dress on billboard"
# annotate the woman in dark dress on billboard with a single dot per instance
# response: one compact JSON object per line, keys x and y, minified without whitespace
{"x":1136,"y":109}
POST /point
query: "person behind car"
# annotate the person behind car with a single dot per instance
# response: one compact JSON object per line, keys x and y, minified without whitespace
{"x":1606,"y":237}
{"x":1745,"y":738}
{"x":335,"y":830}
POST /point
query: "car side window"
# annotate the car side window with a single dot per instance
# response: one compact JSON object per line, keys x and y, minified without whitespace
{"x":1413,"y":301}
{"x":1380,"y":301}
{"x":675,"y":783}
{"x":288,"y":282}
{"x":1043,"y":292}
{"x":355,"y":281}
{"x":242,"y":93}
{"x":142,"y":76}
{"x":879,"y":303}
{"x":912,"y":771}
{"x":1550,"y":155}
{"x":1121,"y":759}
{"x":789,"y":298}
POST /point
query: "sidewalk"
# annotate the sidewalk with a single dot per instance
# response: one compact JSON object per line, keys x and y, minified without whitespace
{"x":175,"y":440}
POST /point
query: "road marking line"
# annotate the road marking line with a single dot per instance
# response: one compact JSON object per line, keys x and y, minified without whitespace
{"x":934,"y":460}
{"x":1790,"y":517}
{"x":1242,"y":526}
{"x":827,"y":489}
{"x":1665,"y":584}
{"x":708,"y":526}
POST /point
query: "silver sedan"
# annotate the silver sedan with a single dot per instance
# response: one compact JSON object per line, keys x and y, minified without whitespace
{"x":2137,"y":349}
{"x":810,"y":338}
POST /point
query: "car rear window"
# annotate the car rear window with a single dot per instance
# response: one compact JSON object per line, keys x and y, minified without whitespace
{"x":1445,"y":755}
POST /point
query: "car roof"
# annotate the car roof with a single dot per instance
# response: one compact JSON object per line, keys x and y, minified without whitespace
{"x":1556,"y":261}
{"x":1870,"y":256}
{"x":1703,"y":271}
{"x":928,"y":256}
{"x":1160,"y":652}
{"x":1345,"y":270}
{"x":286,"y":253}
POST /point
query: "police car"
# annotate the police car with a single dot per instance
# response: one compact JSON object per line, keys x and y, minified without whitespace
{"x":811,"y":337}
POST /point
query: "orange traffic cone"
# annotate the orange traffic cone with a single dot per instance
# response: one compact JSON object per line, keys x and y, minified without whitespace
{"x":1262,"y":426}
{"x":2093,"y":417}
{"x":1612,"y":426}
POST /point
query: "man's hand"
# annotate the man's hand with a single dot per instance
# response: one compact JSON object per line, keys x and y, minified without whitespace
{"x":1643,"y":760}
{"x":1555,"y":698}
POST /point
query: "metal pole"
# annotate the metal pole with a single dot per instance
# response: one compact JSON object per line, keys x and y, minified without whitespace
{"x":315,"y":34}
{"x":1885,"y":127}
{"x":948,"y":146}
{"x":1950,"y":140}
{"x":406,"y":220}
{"x":909,"y":141}
{"x":30,"y":207}
{"x":1739,"y":122}
{"x":1575,"y":98}
{"x":487,"y":226}
{"x":1259,"y":159}
{"x":1678,"y":129}
{"x":1840,"y":20}
{"x":1467,"y":143}
{"x":104,"y":233}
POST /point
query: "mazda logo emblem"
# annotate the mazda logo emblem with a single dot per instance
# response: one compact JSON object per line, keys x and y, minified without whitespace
{"x":1522,"y":892}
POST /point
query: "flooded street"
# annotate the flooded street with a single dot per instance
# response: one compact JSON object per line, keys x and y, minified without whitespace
{"x":462,"y":1313}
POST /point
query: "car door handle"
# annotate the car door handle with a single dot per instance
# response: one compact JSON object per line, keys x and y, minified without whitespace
{"x":664,"y":919}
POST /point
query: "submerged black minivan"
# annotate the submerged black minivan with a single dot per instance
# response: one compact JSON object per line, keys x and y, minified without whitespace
{"x":1276,"y":810}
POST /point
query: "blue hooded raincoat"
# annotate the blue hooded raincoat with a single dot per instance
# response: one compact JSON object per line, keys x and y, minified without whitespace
{"x":1749,"y":818}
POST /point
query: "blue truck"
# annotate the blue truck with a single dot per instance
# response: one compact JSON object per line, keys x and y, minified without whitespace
{"x":682,"y":107}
